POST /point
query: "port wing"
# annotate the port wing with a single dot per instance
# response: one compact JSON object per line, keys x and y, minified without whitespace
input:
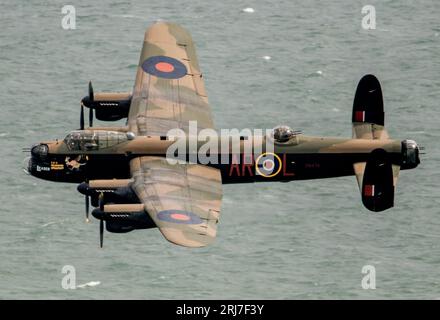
{"x":182,"y":199}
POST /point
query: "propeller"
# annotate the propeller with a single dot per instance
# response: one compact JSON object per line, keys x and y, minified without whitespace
{"x":101,"y":221}
{"x":83,"y":188}
{"x":101,"y":233}
{"x":101,"y":201}
{"x":92,"y":98}
{"x":81,"y":118}
{"x":87,"y":207}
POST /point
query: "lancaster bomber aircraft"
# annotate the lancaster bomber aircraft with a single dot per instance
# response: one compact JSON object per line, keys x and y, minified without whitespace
{"x":125,"y":173}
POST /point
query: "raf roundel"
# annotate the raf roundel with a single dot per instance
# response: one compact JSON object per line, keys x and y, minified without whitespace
{"x":164,"y":67}
{"x":179,"y":216}
{"x":268,"y":165}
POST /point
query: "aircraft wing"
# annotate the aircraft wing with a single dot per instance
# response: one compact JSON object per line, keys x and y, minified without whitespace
{"x":169,"y":90}
{"x":182,"y":199}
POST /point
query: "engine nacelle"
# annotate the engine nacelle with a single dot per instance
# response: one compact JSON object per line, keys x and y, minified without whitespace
{"x":109,"y":106}
{"x":123,"y":195}
{"x":114,"y":190}
{"x":124,"y":218}
{"x":410,"y":154}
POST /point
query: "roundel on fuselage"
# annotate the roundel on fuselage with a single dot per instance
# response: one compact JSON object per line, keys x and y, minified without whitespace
{"x":268,"y":165}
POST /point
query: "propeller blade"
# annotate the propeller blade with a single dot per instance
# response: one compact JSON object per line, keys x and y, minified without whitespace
{"x":90,"y":117}
{"x":101,"y":233}
{"x":101,"y":201}
{"x":101,"y":221}
{"x":81,"y":119}
{"x":91,"y":95}
{"x":87,"y":208}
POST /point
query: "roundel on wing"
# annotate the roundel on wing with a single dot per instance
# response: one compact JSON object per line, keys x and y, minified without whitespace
{"x":179,"y":216}
{"x":164,"y":67}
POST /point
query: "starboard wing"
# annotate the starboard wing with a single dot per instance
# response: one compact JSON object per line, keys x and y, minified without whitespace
{"x":169,"y":90}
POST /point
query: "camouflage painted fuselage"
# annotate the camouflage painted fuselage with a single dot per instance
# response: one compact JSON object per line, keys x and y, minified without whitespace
{"x":304,"y":158}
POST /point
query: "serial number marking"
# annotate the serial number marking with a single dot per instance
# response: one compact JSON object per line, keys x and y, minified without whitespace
{"x":39,"y":169}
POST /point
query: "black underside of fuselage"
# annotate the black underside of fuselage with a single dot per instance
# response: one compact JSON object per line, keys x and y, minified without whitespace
{"x":284,"y":167}
{"x":59,"y":169}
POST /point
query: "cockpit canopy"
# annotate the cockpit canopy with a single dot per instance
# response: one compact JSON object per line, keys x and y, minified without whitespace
{"x":90,"y":140}
{"x":283,"y":133}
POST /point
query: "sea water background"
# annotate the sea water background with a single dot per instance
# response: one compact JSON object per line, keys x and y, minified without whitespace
{"x":299,"y":240}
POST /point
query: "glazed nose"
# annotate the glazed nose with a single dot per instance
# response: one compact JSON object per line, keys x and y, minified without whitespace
{"x":27,"y":165}
{"x":40,"y":151}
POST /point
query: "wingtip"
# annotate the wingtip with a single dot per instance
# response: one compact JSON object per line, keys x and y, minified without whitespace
{"x":185,"y":239}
